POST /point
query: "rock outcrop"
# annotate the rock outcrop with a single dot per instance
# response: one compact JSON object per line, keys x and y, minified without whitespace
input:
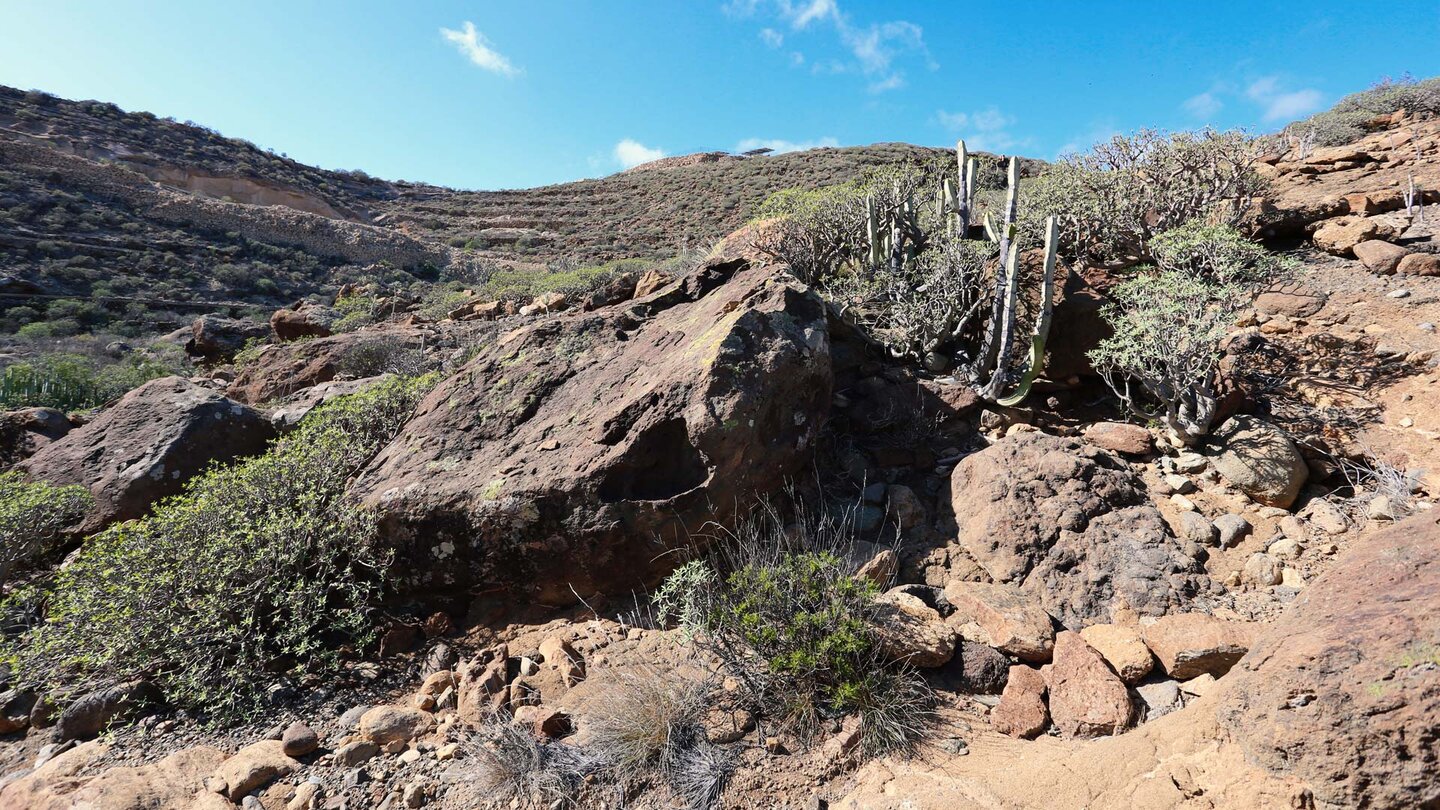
{"x":570,"y":453}
{"x":1072,"y":526}
{"x":147,"y":445}
{"x":217,"y":339}
{"x":1259,"y":459}
{"x":1344,"y":691}
{"x":24,"y":432}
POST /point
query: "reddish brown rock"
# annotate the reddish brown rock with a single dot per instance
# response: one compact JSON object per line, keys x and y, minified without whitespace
{"x":1380,"y":256}
{"x":217,"y":339}
{"x":147,"y":445}
{"x":75,"y":779}
{"x":1072,"y":526}
{"x":24,"y":432}
{"x":1119,"y":437}
{"x":1122,"y":649}
{"x":281,"y":370}
{"x":1021,"y":711}
{"x":253,"y":767}
{"x":575,"y":448}
{"x":385,"y":725}
{"x":1293,"y":302}
{"x":1419,"y":264}
{"x":1340,"y":235}
{"x":911,"y":631}
{"x":1344,"y":691}
{"x":1086,"y":698}
{"x":303,"y":321}
{"x":1191,"y":644}
{"x":1013,"y":621}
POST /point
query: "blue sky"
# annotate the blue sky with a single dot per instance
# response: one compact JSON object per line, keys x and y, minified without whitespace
{"x":504,"y":95}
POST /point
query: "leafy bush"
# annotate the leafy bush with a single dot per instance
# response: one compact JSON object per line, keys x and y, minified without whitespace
{"x":1347,"y":120}
{"x":33,"y":516}
{"x":75,"y":382}
{"x":1217,"y":254}
{"x":385,"y":354}
{"x":787,"y":618}
{"x":354,"y":312}
{"x":1113,"y":200}
{"x":256,"y":570}
{"x":1162,"y":358}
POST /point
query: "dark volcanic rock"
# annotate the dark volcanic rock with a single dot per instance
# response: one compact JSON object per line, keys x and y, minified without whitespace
{"x":147,"y":445}
{"x":572,"y":452}
{"x":1072,"y":526}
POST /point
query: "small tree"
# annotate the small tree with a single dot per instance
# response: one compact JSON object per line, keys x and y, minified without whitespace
{"x":1162,"y":358}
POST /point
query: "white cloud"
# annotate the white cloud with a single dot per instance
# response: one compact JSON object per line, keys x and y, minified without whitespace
{"x":1203,"y":105}
{"x":477,"y":49}
{"x":987,"y":130}
{"x":630,"y":153}
{"x":1280,"y":105}
{"x":779,"y":145}
{"x":874,"y":49}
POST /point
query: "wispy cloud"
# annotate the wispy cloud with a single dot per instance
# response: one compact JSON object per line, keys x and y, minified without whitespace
{"x":875,"y":50}
{"x":986,"y":130}
{"x":476,"y":48}
{"x":779,"y":145}
{"x":630,"y":153}
{"x":1204,"y":105}
{"x":1278,"y":104}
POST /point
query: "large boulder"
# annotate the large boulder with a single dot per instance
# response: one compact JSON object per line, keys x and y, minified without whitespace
{"x":282,"y":370}
{"x":24,"y":432}
{"x":1010,"y":619}
{"x":304,"y":320}
{"x":1072,"y":526}
{"x":216,"y":338}
{"x":147,"y":445}
{"x":911,"y":631}
{"x":1259,"y":459}
{"x":1193,"y":644}
{"x":79,"y":778}
{"x":1344,"y":691}
{"x":1419,"y":264}
{"x":569,"y":454}
{"x":1380,"y":256}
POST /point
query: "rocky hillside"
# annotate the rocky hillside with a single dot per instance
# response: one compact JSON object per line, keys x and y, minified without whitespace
{"x":698,"y":535}
{"x":149,"y":220}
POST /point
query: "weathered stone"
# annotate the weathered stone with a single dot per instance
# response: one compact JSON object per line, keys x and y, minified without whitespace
{"x":1022,"y":711}
{"x":1190,"y":644}
{"x":1261,"y":570}
{"x":383,"y":725}
{"x":1340,"y":235}
{"x":305,"y":320}
{"x":1072,"y":526}
{"x":1259,"y":459}
{"x":1122,"y":649}
{"x":24,"y":432}
{"x":217,"y":339}
{"x":1291,"y":302}
{"x":1379,"y":256}
{"x":880,"y":569}
{"x":905,"y":506}
{"x":80,"y":778}
{"x":299,"y":740}
{"x":1119,"y":437}
{"x":563,"y":468}
{"x":90,"y":714}
{"x":977,"y":669}
{"x":1159,"y":698}
{"x":911,"y":631}
{"x":1197,"y":529}
{"x":15,"y":708}
{"x":253,"y":767}
{"x":1232,"y":529}
{"x":1419,"y":264}
{"x":355,"y":752}
{"x":1012,"y":620}
{"x":1086,"y":698}
{"x":1343,"y":691}
{"x":147,"y":445}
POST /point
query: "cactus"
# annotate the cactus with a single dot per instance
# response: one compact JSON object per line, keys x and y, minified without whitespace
{"x":1042,"y":321}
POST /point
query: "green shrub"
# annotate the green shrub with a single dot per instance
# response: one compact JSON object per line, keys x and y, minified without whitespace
{"x":255,"y":571}
{"x":1114,"y":199}
{"x":1162,"y":357}
{"x":1217,"y":254}
{"x":1347,"y":120}
{"x":33,"y":516}
{"x":789,"y":620}
{"x":354,"y":312}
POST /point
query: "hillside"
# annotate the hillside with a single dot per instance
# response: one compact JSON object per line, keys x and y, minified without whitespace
{"x":124,"y":222}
